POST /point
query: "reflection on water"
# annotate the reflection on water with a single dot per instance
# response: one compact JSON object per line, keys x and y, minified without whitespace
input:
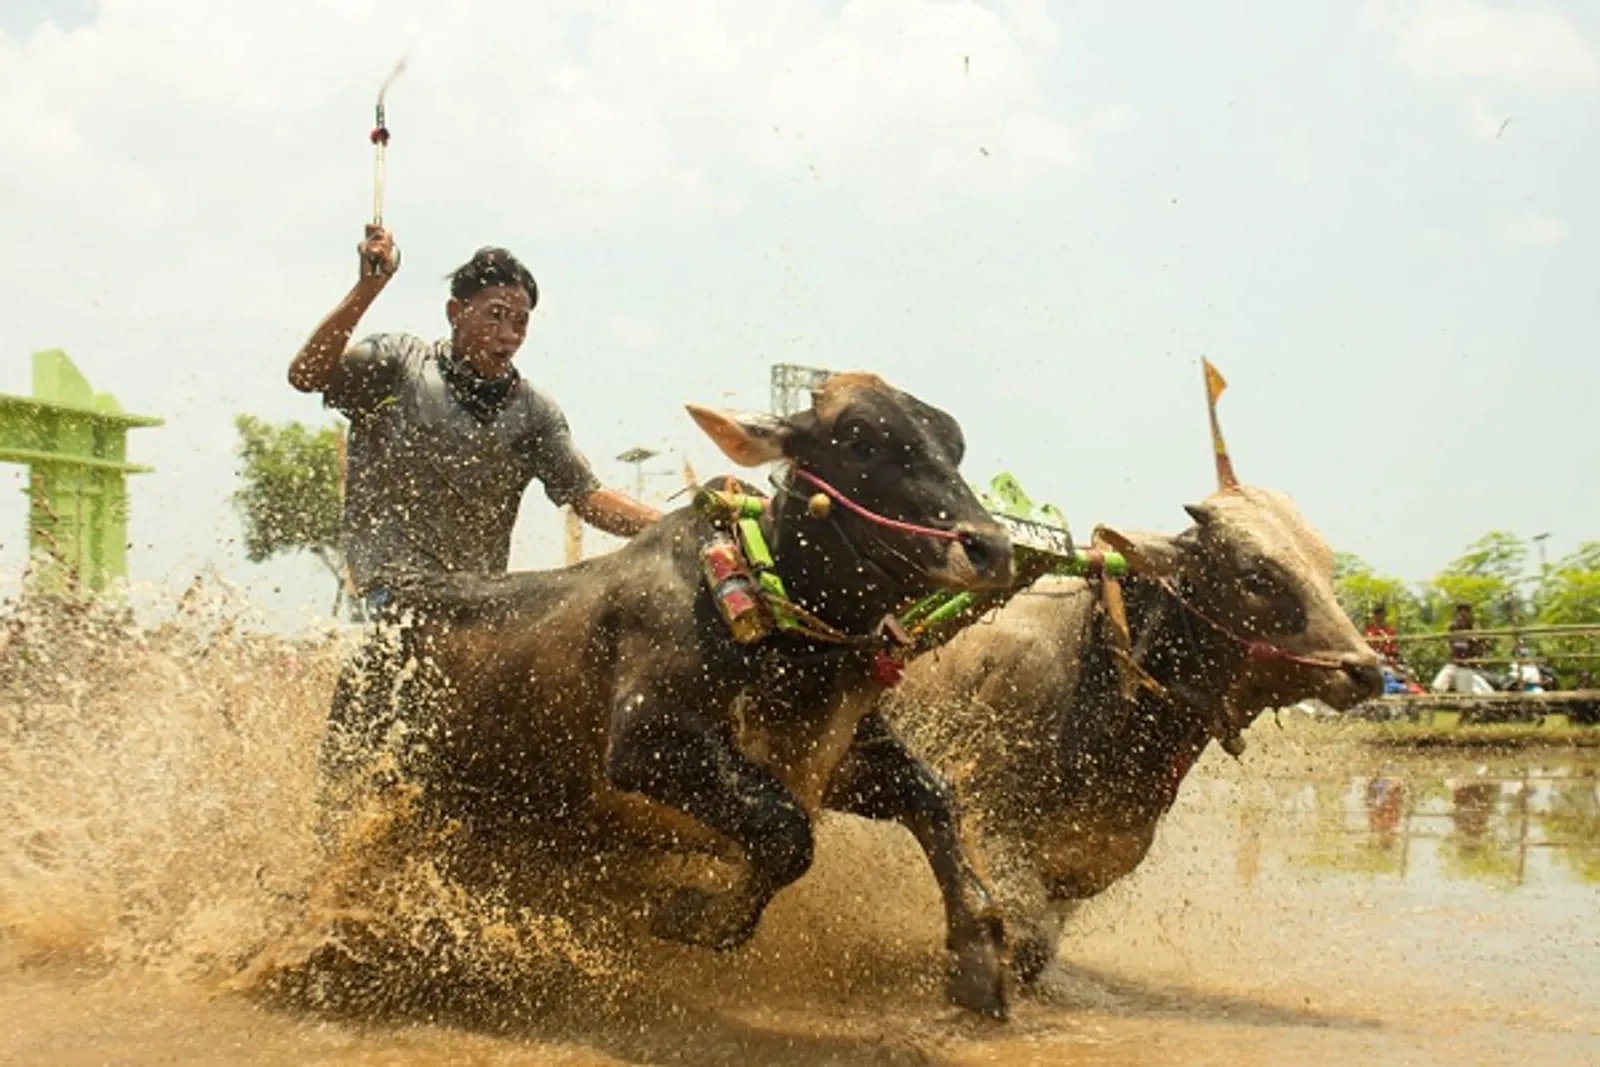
{"x":1537,"y":825}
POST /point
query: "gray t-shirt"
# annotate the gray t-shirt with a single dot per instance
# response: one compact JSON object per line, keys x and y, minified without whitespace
{"x":429,"y":487}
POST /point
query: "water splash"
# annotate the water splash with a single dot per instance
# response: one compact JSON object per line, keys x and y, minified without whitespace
{"x":164,"y":814}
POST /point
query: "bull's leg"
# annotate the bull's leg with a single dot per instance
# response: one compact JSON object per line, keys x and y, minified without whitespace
{"x":881,"y":779}
{"x":677,"y":758}
{"x":376,"y":703}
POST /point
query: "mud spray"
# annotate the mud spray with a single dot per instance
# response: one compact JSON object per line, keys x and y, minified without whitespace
{"x":161,"y":815}
{"x":169,"y":893}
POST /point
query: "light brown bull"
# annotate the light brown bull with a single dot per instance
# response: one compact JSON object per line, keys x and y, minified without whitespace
{"x":1068,"y":721}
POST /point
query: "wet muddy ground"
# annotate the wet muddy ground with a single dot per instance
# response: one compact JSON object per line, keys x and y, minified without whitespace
{"x":1321,"y":901}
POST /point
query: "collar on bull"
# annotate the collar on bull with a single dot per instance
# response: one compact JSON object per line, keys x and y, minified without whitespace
{"x":821,"y":509}
{"x":750,"y":593}
{"x":1129,"y":652}
{"x":922,"y":624}
{"x":1133,"y":675}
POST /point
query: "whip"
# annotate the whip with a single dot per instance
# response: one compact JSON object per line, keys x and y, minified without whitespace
{"x":380,"y":143}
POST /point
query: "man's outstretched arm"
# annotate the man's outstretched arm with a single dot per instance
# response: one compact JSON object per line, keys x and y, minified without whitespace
{"x":609,"y":510}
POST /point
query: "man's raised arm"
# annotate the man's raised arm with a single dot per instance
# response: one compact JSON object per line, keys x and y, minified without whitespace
{"x":312,"y":367}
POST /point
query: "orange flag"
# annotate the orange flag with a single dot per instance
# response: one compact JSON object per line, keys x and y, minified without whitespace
{"x":1215,"y":384}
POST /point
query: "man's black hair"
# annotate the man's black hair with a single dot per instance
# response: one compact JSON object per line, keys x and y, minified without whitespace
{"x":489,"y":267}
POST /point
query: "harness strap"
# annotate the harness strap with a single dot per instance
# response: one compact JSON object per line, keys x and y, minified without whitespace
{"x":1255,"y":648}
{"x":924,"y":624}
{"x":873,"y":516}
{"x":740,"y":514}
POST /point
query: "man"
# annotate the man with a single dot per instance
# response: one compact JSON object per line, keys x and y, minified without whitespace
{"x":1460,"y":675}
{"x":446,"y":435}
{"x":1380,"y":635}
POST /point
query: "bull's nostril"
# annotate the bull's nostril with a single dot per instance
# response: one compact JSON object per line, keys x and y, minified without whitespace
{"x":988,"y":554}
{"x":1367,"y":677}
{"x":978,"y":553}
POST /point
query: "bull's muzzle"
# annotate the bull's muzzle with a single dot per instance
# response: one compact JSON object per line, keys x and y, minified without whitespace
{"x":1364,"y":674}
{"x":980,"y":557}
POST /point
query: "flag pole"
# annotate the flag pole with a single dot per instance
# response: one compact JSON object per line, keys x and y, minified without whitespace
{"x":1215,"y":385}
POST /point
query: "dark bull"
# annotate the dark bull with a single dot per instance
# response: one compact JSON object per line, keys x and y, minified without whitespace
{"x":615,"y":690}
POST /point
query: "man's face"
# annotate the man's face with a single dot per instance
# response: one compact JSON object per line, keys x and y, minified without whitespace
{"x":488,"y":327}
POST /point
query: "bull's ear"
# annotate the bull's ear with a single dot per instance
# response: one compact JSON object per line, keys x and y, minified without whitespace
{"x":1146,"y":553}
{"x":748,"y":438}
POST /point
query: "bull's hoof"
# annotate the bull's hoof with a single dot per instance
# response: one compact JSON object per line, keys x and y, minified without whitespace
{"x":695,"y":917}
{"x":979,"y":975}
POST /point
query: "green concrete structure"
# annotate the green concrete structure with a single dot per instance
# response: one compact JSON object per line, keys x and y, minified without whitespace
{"x":74,"y":442}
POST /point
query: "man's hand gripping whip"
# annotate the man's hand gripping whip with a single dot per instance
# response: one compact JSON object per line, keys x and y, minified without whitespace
{"x":380,"y":142}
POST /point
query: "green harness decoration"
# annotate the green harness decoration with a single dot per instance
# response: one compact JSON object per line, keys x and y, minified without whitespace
{"x":1039,"y":549}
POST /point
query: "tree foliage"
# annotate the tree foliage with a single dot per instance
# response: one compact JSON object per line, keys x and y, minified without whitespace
{"x":288,"y":500}
{"x":1489,"y":576}
{"x":1360,"y":589}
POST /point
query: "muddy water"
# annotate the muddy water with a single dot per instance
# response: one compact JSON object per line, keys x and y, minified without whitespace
{"x":1321,"y":901}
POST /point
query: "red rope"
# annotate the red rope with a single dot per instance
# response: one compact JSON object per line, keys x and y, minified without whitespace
{"x":874,"y":517}
{"x":1256,"y":649}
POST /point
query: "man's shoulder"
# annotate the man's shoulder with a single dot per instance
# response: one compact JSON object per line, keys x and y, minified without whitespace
{"x":397,"y":345}
{"x":540,"y":404}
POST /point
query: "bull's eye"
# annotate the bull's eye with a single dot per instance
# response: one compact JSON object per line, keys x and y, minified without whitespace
{"x":1256,"y":583}
{"x":1269,"y":605}
{"x":859,"y":443}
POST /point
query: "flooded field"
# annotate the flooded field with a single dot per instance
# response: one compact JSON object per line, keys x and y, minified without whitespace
{"x":1320,"y":901}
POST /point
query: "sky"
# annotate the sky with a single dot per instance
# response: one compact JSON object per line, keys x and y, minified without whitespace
{"x":1376,"y":218}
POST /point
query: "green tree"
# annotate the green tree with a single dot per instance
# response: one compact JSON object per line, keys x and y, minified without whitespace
{"x":290,"y":499}
{"x":1359,"y":589}
{"x":1494,"y":555}
{"x":1569,"y":595}
{"x":1490,"y":577}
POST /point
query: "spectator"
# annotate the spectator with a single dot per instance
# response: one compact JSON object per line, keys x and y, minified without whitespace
{"x":1459,"y":675}
{"x":1380,"y":635}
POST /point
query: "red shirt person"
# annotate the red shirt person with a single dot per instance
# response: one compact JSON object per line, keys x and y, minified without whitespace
{"x":1380,"y":635}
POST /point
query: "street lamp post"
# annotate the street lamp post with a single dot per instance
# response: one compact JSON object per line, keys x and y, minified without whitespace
{"x":1540,"y":539}
{"x":637,"y":456}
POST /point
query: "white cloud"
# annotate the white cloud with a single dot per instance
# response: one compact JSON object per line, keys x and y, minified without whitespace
{"x":648,"y":107}
{"x":1537,"y":230}
{"x":1530,"y":47}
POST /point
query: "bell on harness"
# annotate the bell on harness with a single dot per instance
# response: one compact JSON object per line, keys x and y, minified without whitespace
{"x":734,"y":590}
